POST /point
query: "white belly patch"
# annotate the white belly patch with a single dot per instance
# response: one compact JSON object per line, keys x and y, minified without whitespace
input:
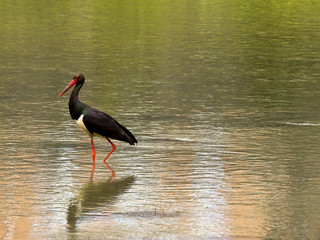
{"x":81,"y":124}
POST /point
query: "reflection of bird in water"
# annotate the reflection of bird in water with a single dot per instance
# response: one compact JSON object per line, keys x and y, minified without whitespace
{"x":95,"y":195}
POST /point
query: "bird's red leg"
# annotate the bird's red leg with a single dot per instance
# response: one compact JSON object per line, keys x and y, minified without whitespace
{"x":93,"y":158}
{"x":113,"y":148}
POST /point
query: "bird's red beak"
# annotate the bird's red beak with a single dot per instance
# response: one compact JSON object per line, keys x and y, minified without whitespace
{"x":73,"y":82}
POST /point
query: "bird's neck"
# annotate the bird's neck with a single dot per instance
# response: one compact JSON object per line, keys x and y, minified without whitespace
{"x":75,"y":91}
{"x":75,"y":105}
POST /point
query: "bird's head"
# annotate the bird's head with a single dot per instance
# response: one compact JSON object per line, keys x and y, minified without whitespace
{"x":77,"y":79}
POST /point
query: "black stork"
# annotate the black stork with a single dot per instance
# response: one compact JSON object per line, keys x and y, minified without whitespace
{"x":95,"y":122}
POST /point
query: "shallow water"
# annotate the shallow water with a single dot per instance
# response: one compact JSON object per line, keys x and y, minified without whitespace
{"x":222,"y":97}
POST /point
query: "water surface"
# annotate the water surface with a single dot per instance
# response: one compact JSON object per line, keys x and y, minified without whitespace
{"x":223,"y":98}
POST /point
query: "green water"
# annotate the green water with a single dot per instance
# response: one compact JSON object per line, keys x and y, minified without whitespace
{"x":223,"y":97}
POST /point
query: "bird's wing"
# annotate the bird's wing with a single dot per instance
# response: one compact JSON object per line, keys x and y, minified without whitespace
{"x":104,"y":125}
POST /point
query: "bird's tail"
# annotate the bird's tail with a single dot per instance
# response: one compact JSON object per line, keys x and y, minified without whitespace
{"x":130,"y":138}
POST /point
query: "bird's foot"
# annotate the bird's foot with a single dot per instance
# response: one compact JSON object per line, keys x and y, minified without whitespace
{"x":113,"y":173}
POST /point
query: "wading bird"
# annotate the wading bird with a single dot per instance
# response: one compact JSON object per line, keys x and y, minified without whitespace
{"x":95,"y":122}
